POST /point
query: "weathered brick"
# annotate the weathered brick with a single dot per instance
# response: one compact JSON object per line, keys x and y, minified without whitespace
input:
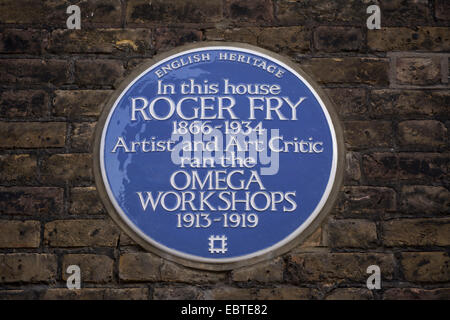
{"x":349,"y":102}
{"x":352,"y":233}
{"x":80,"y":103}
{"x":28,"y":267}
{"x":363,"y":134}
{"x":426,"y":134}
{"x":320,"y":11}
{"x":350,"y":294}
{"x":287,"y":293}
{"x":93,"y":267}
{"x":338,"y":39}
{"x":73,"y":168}
{"x":140,"y":267}
{"x":172,"y":272}
{"x":425,"y":199}
{"x":352,"y":167}
{"x":417,"y":294}
{"x":96,"y":294}
{"x":314,"y":240}
{"x":81,"y":233}
{"x":173,"y":11}
{"x":83,"y":136}
{"x":32,"y":134}
{"x":93,"y":13}
{"x":416,"y":232}
{"x":34,"y":71}
{"x":23,"y":41}
{"x":277,"y":293}
{"x":54,"y":12}
{"x":289,"y":40}
{"x":426,"y":266}
{"x":360,"y":200}
{"x":85,"y":200}
{"x":314,"y":267}
{"x":418,"y":71}
{"x":23,"y":103}
{"x":442,"y":9}
{"x":166,"y":38}
{"x":98,"y":72}
{"x":31,"y":200}
{"x":405,"y":12}
{"x":371,"y":71}
{"x":18,"y":168}
{"x":259,"y":11}
{"x":100,"y":41}
{"x":271,"y":271}
{"x":178,"y":293}
{"x":245,"y":34}
{"x":404,"y":166}
{"x":20,"y":234}
{"x":17,"y":295}
{"x":409,"y":39}
{"x":424,"y":166}
{"x":388,"y":102}
{"x":22,"y":11}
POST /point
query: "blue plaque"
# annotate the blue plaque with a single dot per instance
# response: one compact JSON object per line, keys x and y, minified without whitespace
{"x":218,"y":155}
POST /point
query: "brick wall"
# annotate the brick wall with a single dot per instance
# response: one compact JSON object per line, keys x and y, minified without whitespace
{"x":391,"y":89}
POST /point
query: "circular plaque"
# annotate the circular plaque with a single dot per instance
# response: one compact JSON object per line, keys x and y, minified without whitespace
{"x":218,"y":155}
